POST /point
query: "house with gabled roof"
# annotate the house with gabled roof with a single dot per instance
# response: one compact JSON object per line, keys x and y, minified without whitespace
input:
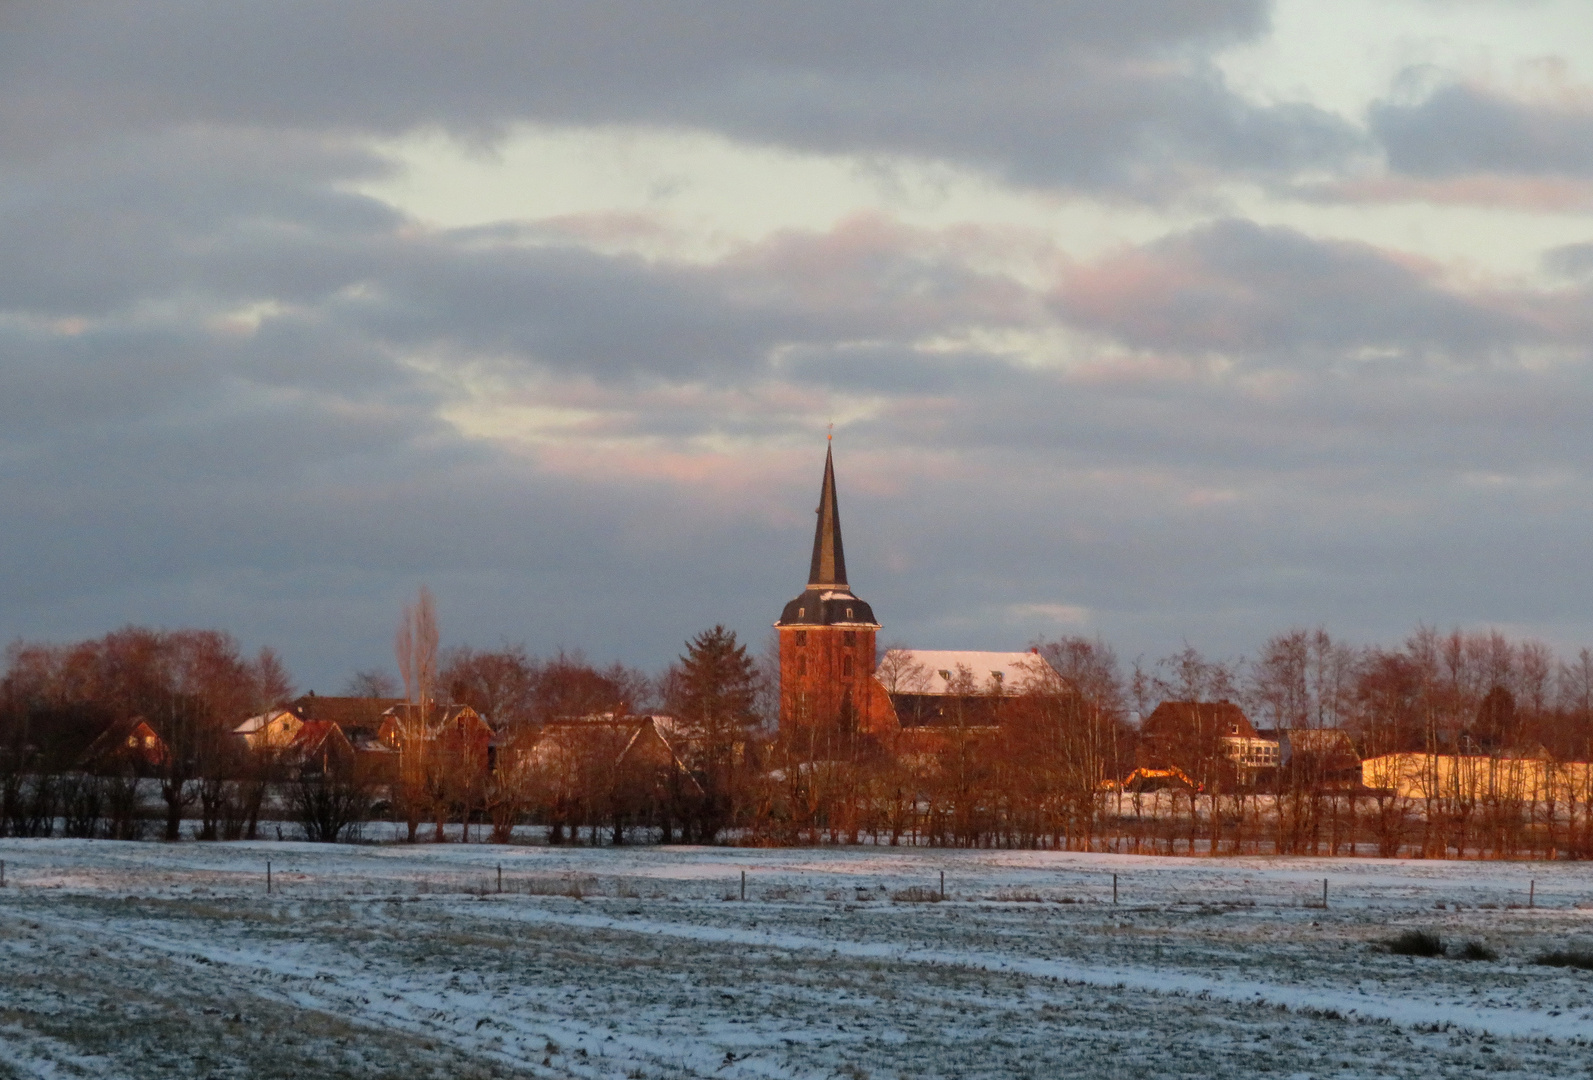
{"x":273,"y":729}
{"x":126,"y":744}
{"x":1208,"y":740}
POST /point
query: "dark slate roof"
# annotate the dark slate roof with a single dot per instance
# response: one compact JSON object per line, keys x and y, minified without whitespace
{"x":827,"y":607}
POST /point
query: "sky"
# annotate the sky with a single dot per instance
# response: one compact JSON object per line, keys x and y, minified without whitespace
{"x":1164,"y":321}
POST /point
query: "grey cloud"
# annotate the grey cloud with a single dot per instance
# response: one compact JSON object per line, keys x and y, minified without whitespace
{"x":1571,"y":260}
{"x":1082,"y":94}
{"x":224,"y":214}
{"x":1271,"y":294}
{"x":1461,"y":129}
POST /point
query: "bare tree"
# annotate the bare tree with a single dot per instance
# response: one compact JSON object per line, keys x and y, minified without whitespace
{"x":415,"y":646}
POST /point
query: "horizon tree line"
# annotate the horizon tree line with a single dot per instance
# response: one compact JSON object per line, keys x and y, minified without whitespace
{"x":1035,"y":780}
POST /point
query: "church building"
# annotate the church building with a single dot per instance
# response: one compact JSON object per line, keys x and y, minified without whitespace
{"x":830,"y":690}
{"x":827,"y":686}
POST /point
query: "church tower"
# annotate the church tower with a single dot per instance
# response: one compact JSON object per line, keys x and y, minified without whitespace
{"x":827,"y":683}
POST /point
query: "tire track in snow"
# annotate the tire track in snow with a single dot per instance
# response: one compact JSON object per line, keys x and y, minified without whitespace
{"x":1404,"y":1011}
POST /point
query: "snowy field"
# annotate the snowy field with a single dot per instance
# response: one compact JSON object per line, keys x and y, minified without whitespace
{"x":149,"y":960}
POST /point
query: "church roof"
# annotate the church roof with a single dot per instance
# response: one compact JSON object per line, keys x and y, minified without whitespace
{"x":935,"y":671}
{"x":828,"y":600}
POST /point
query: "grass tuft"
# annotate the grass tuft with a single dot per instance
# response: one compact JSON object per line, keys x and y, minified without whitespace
{"x":1416,"y":943}
{"x":1571,"y":958}
{"x":1477,"y":950}
{"x":917,"y":894}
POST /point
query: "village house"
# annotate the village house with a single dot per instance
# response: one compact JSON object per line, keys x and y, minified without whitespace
{"x":127,"y":745}
{"x":1316,"y":757}
{"x":1207,"y":742}
{"x":273,"y":729}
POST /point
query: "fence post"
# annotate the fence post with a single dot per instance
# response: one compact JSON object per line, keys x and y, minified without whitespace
{"x":1114,"y":888}
{"x":1532,"y":893}
{"x":2,"y":873}
{"x":1324,"y":894}
{"x":943,"y":884}
{"x":743,"y":885}
{"x":500,"y":877}
{"x":268,"y":877}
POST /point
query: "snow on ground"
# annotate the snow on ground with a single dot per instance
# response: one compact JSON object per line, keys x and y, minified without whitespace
{"x":152,"y":960}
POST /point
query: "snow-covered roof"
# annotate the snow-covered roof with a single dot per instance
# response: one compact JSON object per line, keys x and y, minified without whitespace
{"x":255,"y":723}
{"x":933,"y":671}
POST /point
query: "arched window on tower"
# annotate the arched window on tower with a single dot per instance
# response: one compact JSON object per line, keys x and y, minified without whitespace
{"x":802,"y":665}
{"x":846,"y":667}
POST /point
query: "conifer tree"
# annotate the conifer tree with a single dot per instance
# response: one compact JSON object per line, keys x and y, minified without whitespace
{"x":713,"y":691}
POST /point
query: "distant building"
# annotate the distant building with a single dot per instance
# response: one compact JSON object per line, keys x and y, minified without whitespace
{"x":1479,"y":777}
{"x":128,"y":745}
{"x":1317,"y":757}
{"x":273,"y":729}
{"x":943,"y":689}
{"x":1205,"y":739}
{"x":827,"y":685}
{"x":830,"y":686}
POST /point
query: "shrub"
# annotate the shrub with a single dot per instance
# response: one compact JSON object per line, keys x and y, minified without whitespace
{"x":917,"y":894}
{"x":1477,"y":950}
{"x":1572,"y":958}
{"x":1416,"y":943}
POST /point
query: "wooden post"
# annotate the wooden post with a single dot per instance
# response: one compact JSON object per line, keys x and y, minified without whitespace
{"x":500,"y":877}
{"x":2,"y":873}
{"x":1532,"y":893}
{"x":1324,"y":894}
{"x":1114,"y":888}
{"x":268,"y":877}
{"x":743,"y":885}
{"x":943,"y":884}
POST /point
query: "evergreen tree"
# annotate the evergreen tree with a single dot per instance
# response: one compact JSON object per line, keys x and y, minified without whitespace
{"x":713,"y":692}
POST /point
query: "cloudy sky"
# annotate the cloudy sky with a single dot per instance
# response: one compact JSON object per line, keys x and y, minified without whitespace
{"x":1163,"y":320}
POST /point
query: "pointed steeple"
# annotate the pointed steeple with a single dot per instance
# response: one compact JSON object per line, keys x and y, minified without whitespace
{"x":829,"y":561}
{"x":828,"y":600}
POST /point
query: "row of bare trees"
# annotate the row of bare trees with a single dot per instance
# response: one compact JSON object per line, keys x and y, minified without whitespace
{"x":189,"y":686}
{"x":571,"y":747}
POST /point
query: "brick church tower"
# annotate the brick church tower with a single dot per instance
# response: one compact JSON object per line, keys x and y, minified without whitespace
{"x":827,"y":685}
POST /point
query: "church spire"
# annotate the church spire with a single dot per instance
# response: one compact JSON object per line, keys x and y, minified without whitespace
{"x":828,"y":600}
{"x":829,"y":561}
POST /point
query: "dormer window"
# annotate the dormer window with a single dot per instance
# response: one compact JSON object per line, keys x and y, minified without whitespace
{"x":997,"y":676}
{"x":848,"y":613}
{"x":944,"y":674}
{"x":802,"y":612}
